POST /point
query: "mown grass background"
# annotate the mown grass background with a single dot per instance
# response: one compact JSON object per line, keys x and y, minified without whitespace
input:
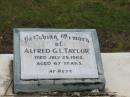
{"x":111,"y":18}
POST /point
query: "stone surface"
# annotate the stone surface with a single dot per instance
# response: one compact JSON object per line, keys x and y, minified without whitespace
{"x":57,"y":47}
{"x":5,"y":79}
{"x":51,"y":55}
{"x":117,"y":72}
{"x":116,"y":69}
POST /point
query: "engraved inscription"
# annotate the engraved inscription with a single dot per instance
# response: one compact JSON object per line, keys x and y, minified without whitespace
{"x":52,"y":55}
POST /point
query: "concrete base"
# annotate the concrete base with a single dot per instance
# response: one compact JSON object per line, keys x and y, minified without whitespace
{"x":116,"y":69}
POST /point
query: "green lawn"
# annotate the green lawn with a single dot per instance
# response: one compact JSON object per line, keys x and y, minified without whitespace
{"x":111,"y":18}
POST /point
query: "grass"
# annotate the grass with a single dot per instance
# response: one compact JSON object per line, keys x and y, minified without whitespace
{"x":111,"y":18}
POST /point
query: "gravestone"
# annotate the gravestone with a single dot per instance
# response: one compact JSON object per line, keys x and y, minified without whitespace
{"x":57,"y":60}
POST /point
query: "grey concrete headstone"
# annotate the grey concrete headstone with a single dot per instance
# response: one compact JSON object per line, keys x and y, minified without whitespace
{"x":57,"y":60}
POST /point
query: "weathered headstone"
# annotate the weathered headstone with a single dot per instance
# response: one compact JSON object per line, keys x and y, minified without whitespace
{"x":57,"y":60}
